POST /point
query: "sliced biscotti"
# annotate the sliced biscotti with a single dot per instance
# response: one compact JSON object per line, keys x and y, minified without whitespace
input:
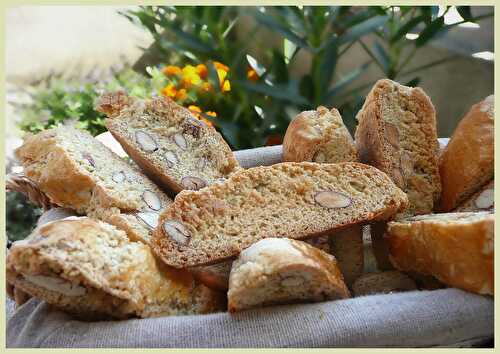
{"x":216,"y":276}
{"x":283,"y":271}
{"x":456,"y":248}
{"x":318,"y":136}
{"x":383,"y":283}
{"x":294,"y":200}
{"x":167,"y":141}
{"x":78,"y":172}
{"x":347,"y":247}
{"x":467,"y":162}
{"x":397,"y":134}
{"x":91,"y":269}
{"x":483,"y":199}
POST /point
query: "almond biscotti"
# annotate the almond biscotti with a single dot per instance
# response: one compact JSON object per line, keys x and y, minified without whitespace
{"x":318,"y":136}
{"x":172,"y":146}
{"x":397,"y":134}
{"x":283,"y":271}
{"x":456,"y":248}
{"x":294,"y":200}
{"x":78,"y":172}
{"x":467,"y":162}
{"x":91,"y":269}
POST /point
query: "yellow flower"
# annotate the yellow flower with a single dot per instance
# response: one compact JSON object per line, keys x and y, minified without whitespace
{"x":221,"y":74}
{"x":195,"y":110}
{"x":252,"y":75}
{"x":211,"y":114}
{"x":181,"y":95}
{"x":220,"y":66}
{"x":170,"y":70}
{"x":169,"y":90}
{"x":202,"y":70}
{"x":226,"y":86}
{"x":206,"y":86}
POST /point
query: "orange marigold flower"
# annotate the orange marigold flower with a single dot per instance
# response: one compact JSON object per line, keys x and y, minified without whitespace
{"x":170,"y":90}
{"x":171,"y":70}
{"x":201,"y":69}
{"x":194,"y":108}
{"x":211,"y":114}
{"x":221,"y":66}
{"x":252,"y":75}
{"x":181,"y":94}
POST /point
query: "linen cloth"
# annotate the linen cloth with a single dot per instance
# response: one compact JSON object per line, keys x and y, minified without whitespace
{"x":445,"y":317}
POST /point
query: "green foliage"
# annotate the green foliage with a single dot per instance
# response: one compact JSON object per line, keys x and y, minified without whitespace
{"x":21,"y":215}
{"x":58,"y":100}
{"x":256,"y":111}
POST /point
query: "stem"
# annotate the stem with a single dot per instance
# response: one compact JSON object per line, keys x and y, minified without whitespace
{"x":371,"y":55}
{"x":428,"y":65}
{"x":345,"y":49}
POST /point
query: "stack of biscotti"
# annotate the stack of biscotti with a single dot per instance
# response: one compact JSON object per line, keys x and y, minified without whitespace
{"x":321,"y":136}
{"x":90,"y":269}
{"x":396,"y":133}
{"x":78,"y":172}
{"x":172,"y":146}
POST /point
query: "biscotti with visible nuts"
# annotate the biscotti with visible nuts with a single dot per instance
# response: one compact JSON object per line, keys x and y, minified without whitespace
{"x":216,"y":276}
{"x":383,"y":283}
{"x":467,"y":162}
{"x":294,"y":200}
{"x":397,"y":134}
{"x":283,"y":271}
{"x":78,"y":172}
{"x":318,"y":136}
{"x":91,"y":269}
{"x":456,"y":248}
{"x":482,"y":200}
{"x":172,"y":146}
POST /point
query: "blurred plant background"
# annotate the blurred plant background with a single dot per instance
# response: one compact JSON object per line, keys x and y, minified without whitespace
{"x":247,"y":70}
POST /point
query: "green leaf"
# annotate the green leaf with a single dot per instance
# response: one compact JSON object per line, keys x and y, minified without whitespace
{"x":413,"y":82}
{"x":382,"y":56}
{"x":189,"y":40}
{"x":465,"y":12}
{"x":346,"y":80}
{"x":213,"y":77}
{"x":327,"y":65}
{"x":270,"y":22}
{"x":407,"y":27}
{"x":279,"y":67}
{"x":363,"y":28}
{"x":430,"y":31}
{"x":280,"y":92}
{"x":306,"y":87}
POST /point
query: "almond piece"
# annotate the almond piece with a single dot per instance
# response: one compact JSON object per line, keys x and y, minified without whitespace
{"x":180,"y":141}
{"x":152,"y":200}
{"x":397,"y":177}
{"x":406,"y":163}
{"x":149,"y":218}
{"x":292,"y":282}
{"x":193,"y":183}
{"x":171,"y":158}
{"x":485,"y":199}
{"x":391,"y":134}
{"x":119,"y":177}
{"x":89,"y":158}
{"x":58,"y":285}
{"x":332,"y":200}
{"x":319,"y":157}
{"x":202,"y":162}
{"x":145,"y":141}
{"x":176,"y":231}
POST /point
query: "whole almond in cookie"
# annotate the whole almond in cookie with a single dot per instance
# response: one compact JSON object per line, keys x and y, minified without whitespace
{"x":331,"y":199}
{"x":146,"y":141}
{"x":176,"y":231}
